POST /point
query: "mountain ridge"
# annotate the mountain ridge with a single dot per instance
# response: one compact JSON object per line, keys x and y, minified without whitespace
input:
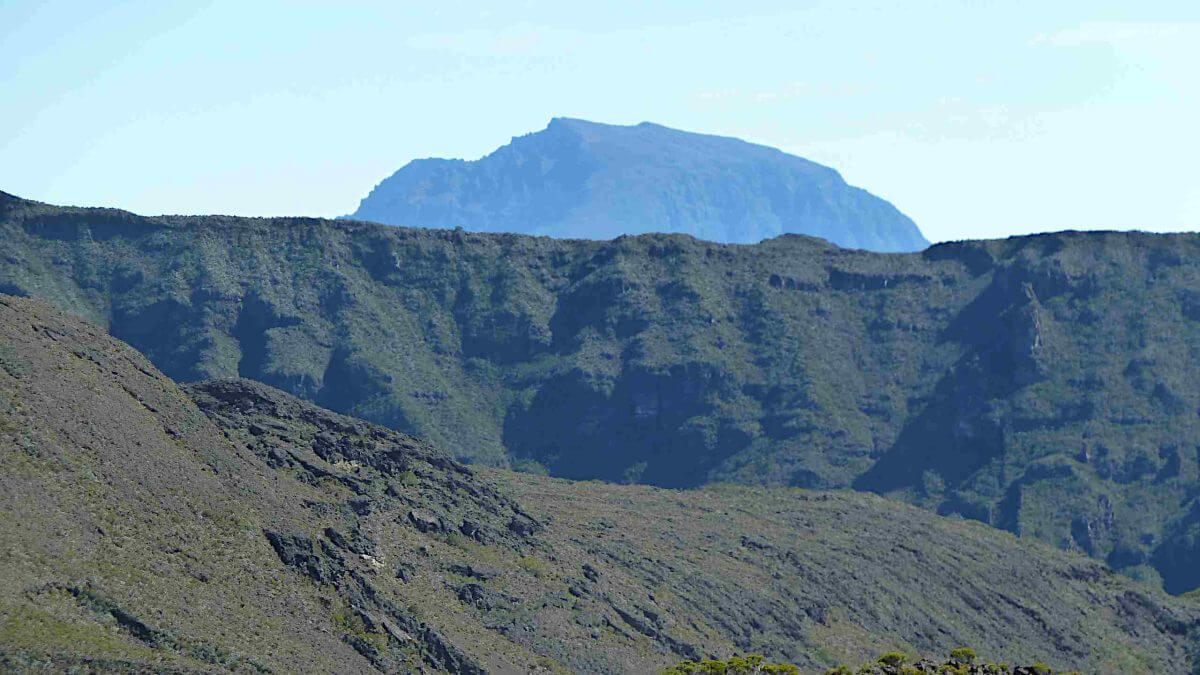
{"x":227,"y":526}
{"x":1046,"y":384}
{"x":580,"y":179}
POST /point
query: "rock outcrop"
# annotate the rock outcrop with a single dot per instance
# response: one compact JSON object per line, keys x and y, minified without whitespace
{"x":1015,"y":382}
{"x":228,"y":525}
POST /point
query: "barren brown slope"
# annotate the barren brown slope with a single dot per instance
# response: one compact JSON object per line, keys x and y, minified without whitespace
{"x":231,"y":526}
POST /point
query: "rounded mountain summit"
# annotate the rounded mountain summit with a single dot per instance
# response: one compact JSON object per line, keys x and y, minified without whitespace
{"x":584,"y":180}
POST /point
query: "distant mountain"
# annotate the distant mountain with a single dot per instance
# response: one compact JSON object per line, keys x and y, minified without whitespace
{"x":583,"y":180}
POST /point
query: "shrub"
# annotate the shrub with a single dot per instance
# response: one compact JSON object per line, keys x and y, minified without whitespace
{"x":963,"y":655}
{"x":962,"y":661}
{"x":752,"y":664}
{"x":537,"y":567}
{"x":681,"y":668}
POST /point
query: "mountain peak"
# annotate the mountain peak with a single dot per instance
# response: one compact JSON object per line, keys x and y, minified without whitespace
{"x":581,"y":179}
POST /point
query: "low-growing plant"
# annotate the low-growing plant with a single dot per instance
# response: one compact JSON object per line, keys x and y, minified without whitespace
{"x":963,"y":655}
{"x":962,"y":661}
{"x":534,"y":565}
{"x":751,"y":664}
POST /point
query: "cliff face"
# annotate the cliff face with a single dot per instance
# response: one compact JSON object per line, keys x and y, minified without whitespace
{"x":1047,"y":385}
{"x":583,"y":180}
{"x":226,"y":525}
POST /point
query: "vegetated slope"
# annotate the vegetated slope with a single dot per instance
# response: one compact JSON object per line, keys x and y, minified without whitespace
{"x":583,"y":180}
{"x":231,"y":526}
{"x":1046,"y":385}
{"x":135,"y":534}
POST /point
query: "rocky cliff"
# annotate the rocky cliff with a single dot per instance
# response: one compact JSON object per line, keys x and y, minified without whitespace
{"x":227,"y":526}
{"x":1046,"y":385}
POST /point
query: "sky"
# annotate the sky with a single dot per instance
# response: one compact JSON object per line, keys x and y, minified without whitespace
{"x":976,"y":118}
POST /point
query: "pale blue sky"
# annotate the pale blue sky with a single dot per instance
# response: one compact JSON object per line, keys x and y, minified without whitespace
{"x":977,"y":119}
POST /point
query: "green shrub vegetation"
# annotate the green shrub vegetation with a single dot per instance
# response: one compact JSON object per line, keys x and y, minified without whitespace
{"x":752,"y":664}
{"x":962,"y":661}
{"x":963,"y":655}
{"x":1039,"y":384}
{"x":287,"y":523}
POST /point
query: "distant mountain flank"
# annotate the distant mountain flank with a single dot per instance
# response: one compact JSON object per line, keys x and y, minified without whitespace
{"x":584,"y":180}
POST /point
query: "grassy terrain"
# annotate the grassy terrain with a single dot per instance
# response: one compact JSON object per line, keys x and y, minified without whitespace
{"x":230,"y":526}
{"x":1045,"y":385}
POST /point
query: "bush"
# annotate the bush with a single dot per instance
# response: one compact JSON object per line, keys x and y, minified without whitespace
{"x":963,"y":655}
{"x":962,"y":661}
{"x":537,"y":567}
{"x":681,"y":668}
{"x":751,"y":664}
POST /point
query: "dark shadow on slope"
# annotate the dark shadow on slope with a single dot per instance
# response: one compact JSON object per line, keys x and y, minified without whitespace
{"x":255,"y":319}
{"x":953,"y":436}
{"x":13,"y":289}
{"x":352,"y":386}
{"x":1177,"y":559}
{"x":956,"y":433}
{"x":655,"y":428}
{"x":163,"y":331}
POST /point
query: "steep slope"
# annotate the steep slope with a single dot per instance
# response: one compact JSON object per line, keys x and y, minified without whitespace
{"x":583,"y":180}
{"x":135,"y":535}
{"x":1046,"y":385}
{"x":251,"y":531}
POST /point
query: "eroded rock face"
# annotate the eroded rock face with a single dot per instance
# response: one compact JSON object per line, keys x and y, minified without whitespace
{"x":237,"y":497}
{"x":383,"y":469}
{"x":964,"y":379}
{"x":322,"y":565}
{"x":425,"y":521}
